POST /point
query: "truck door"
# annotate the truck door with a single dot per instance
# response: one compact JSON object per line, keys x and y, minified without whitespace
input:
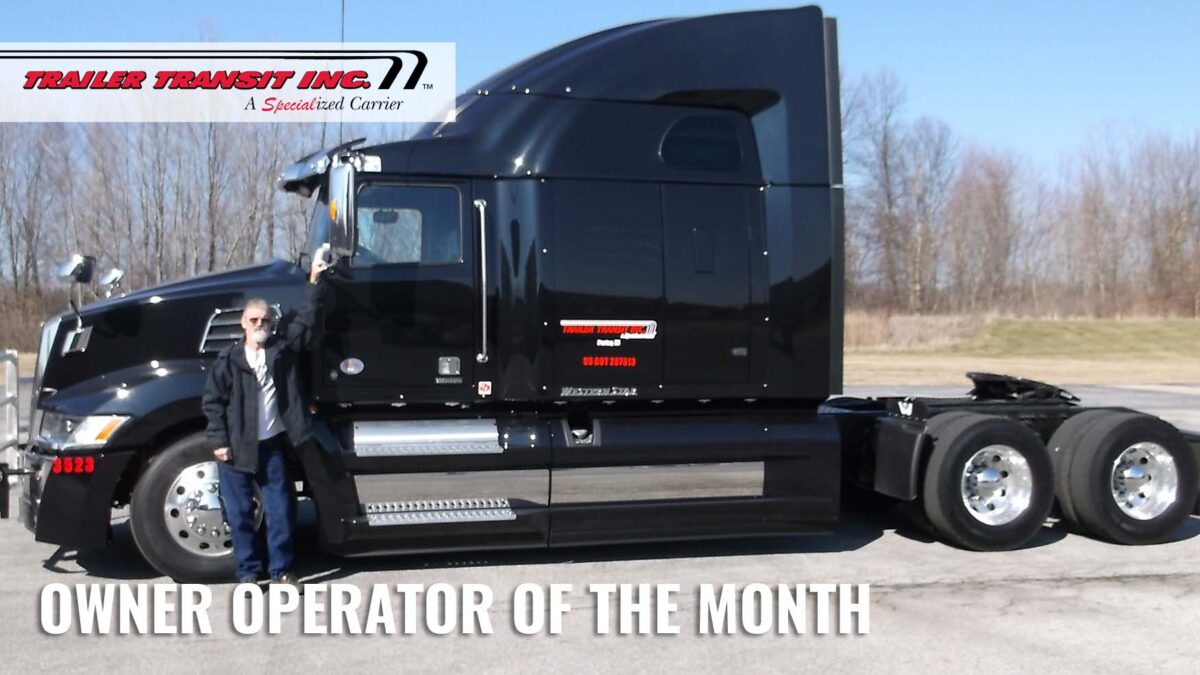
{"x":399,"y":320}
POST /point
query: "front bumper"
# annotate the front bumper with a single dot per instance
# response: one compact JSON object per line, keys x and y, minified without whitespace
{"x":69,"y":508}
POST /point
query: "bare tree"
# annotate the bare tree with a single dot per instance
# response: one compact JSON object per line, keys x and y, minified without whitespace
{"x":982,"y":240}
{"x":929,"y":164}
{"x":876,"y":162}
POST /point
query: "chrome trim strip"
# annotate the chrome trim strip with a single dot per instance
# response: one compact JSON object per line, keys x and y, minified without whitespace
{"x":426,"y":437}
{"x":482,"y":356}
{"x":660,"y":481}
{"x":477,"y":489}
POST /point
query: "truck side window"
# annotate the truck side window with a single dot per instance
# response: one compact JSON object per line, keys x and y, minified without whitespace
{"x":407,"y":224}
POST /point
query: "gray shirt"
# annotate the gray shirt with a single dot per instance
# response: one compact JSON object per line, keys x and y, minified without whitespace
{"x":269,"y":423}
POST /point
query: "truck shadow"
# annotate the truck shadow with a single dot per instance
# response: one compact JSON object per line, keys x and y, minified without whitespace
{"x":121,"y":560}
{"x":852,"y":533}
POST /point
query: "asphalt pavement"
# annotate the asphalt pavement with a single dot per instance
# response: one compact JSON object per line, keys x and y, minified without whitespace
{"x":1066,"y":603}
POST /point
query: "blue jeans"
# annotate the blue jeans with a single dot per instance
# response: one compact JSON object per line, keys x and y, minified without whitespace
{"x":278,"y":505}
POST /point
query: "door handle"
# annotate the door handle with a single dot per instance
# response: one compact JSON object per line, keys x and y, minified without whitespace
{"x":482,"y":356}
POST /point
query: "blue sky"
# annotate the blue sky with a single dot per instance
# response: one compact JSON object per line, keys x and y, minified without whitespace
{"x":1040,"y":78}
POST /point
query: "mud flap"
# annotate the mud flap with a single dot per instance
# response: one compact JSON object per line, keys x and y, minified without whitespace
{"x":5,"y":472}
{"x":1193,"y":439}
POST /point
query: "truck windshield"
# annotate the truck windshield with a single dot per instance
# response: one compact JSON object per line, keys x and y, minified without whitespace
{"x":318,"y":228}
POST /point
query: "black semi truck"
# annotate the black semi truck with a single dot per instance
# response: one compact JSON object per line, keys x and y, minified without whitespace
{"x":602,"y":305}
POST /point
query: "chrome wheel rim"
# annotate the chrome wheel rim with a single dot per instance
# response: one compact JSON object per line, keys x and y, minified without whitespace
{"x":192,"y":511}
{"x":1145,"y":481}
{"x":997,"y":485}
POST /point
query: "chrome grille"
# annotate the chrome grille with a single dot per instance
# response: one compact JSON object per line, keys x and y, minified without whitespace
{"x":224,"y":328}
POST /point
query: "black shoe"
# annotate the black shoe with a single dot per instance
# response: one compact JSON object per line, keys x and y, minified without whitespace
{"x":247,"y":580}
{"x":287,"y":578}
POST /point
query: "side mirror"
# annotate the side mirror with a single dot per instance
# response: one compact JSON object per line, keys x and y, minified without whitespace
{"x":341,"y":209}
{"x":79,"y":269}
{"x":112,"y":280}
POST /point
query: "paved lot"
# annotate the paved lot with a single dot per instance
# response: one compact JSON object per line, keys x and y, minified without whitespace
{"x":1066,"y":603}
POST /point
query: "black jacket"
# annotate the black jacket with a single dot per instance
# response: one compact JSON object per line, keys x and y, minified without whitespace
{"x":231,"y":395}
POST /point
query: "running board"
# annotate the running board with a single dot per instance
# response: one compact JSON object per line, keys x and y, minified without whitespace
{"x":425,"y":512}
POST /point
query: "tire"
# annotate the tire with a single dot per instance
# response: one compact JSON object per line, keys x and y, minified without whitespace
{"x":1062,"y":448}
{"x":999,"y":466}
{"x":160,"y":529}
{"x":1139,"y":443}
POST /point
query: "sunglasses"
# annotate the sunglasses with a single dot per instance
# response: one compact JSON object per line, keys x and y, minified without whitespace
{"x":259,"y":320}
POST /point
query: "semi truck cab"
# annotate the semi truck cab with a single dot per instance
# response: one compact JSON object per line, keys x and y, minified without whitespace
{"x":603,"y":304}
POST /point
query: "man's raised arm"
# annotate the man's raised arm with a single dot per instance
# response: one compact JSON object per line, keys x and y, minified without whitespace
{"x":299,"y":331}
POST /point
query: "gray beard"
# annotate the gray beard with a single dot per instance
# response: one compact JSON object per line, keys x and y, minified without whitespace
{"x":259,"y":336}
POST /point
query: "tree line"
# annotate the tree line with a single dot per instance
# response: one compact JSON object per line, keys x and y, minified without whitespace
{"x":159,"y":201}
{"x":938,"y":224}
{"x":935,"y":223}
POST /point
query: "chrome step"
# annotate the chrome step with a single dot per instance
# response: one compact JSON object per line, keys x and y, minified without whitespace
{"x":426,"y":511}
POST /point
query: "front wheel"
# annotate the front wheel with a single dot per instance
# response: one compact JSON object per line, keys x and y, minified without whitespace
{"x":176,"y":517}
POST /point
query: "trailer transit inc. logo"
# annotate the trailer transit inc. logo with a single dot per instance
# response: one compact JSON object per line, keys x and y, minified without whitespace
{"x":227,"y":82}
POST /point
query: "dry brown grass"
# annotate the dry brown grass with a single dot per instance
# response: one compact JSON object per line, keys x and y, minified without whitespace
{"x":1067,"y":351}
{"x":25,"y":363}
{"x":933,"y":368}
{"x":878,"y":330}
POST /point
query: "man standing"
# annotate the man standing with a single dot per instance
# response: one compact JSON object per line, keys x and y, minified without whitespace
{"x":253,"y":396}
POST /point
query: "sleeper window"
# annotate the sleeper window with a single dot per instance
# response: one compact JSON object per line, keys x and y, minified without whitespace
{"x":702,"y":142}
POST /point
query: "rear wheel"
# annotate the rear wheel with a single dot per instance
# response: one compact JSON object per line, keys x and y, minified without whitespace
{"x":176,"y":517}
{"x":988,"y":485}
{"x":1062,"y":448}
{"x":1132,"y":479}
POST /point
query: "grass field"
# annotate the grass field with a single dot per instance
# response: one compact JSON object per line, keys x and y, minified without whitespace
{"x":1063,"y":351}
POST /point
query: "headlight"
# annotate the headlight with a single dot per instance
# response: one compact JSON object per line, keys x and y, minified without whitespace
{"x":66,"y":432}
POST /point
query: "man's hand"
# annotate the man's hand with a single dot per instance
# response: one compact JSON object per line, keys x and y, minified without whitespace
{"x":319,"y":264}
{"x":222,"y":454}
